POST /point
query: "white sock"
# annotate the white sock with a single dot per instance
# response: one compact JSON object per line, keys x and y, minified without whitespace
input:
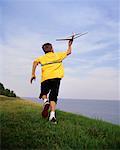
{"x":45,"y":100}
{"x":52,"y":114}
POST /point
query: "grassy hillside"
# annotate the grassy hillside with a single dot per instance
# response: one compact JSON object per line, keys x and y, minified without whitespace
{"x":22,"y":127}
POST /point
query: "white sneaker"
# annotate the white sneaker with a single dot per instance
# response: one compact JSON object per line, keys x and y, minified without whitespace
{"x":53,"y":120}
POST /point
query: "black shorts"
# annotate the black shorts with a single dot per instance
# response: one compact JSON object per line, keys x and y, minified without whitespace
{"x":50,"y":86}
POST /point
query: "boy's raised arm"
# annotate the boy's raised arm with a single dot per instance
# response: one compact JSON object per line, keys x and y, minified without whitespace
{"x":69,"y":50}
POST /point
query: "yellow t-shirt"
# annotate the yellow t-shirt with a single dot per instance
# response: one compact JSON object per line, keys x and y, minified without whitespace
{"x":51,"y":65}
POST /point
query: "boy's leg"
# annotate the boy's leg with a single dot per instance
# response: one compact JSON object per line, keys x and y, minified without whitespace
{"x":52,"y":108}
{"x":52,"y":105}
{"x":55,"y":83}
{"x":43,"y":95}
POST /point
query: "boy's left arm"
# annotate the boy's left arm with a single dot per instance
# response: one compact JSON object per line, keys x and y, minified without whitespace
{"x":35,"y":63}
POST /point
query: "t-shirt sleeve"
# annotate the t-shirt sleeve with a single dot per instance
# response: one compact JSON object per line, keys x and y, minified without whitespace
{"x":38,"y":59}
{"x":62,"y":55}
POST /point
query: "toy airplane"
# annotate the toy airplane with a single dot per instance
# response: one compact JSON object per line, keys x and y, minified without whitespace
{"x":74,"y":36}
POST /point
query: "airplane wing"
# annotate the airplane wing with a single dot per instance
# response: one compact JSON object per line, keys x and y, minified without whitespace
{"x":74,"y":37}
{"x":80,"y":35}
{"x":63,"y":39}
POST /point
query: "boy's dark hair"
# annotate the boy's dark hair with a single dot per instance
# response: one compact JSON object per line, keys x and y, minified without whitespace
{"x":47,"y":47}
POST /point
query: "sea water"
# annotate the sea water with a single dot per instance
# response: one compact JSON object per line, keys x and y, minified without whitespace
{"x":106,"y":110}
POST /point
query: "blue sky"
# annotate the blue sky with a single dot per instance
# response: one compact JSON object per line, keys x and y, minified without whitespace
{"x":91,"y":72}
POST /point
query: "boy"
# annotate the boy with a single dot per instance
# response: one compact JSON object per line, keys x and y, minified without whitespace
{"x":52,"y":73}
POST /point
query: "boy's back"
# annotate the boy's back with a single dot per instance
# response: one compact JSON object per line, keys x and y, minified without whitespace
{"x":51,"y":65}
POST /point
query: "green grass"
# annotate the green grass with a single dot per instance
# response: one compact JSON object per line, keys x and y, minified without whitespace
{"x":22,"y":127}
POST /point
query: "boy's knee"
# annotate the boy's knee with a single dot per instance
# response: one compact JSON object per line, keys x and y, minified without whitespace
{"x":53,"y":98}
